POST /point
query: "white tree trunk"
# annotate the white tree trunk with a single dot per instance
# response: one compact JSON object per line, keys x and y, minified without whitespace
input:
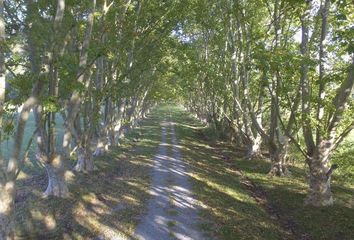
{"x":278,"y":157}
{"x":56,"y":182}
{"x":320,"y":176}
{"x":75,"y":100}
{"x":254,"y":149}
{"x":319,"y":193}
{"x":278,"y":167}
{"x":7,"y":196}
{"x":84,"y":161}
{"x":66,"y":145}
{"x":101,"y":148}
{"x":8,"y":176}
{"x":2,"y":60}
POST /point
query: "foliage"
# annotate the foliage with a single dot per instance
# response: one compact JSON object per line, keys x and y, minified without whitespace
{"x":277,"y":70}
{"x":344,"y":158}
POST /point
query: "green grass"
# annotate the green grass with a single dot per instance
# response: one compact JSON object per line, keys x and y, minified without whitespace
{"x":106,"y":202}
{"x":335,"y":222}
{"x":171,"y":224}
{"x":6,"y":145}
{"x":228,"y":210}
{"x":110,"y":200}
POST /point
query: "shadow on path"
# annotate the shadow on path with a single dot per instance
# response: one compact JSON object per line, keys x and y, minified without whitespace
{"x":172,"y":211}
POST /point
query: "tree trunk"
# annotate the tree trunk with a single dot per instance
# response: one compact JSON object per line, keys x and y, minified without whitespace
{"x":320,"y":176}
{"x":254,"y":148}
{"x":66,"y":144}
{"x":109,"y":121}
{"x":84,"y":160}
{"x":320,"y":188}
{"x":102,"y":146}
{"x":278,"y":158}
{"x":119,"y":119}
{"x":7,"y":197}
{"x":56,"y":183}
{"x":2,"y":61}
{"x":278,"y":167}
{"x":76,"y":97}
{"x":8,"y":176}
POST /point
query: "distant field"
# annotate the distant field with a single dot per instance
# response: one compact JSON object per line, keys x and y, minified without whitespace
{"x":7,"y":145}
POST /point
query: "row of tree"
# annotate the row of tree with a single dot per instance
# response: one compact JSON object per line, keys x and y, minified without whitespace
{"x":273,"y":73}
{"x":277,"y":74}
{"x":87,"y":68}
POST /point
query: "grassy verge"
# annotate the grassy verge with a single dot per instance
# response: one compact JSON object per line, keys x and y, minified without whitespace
{"x":102,"y":204}
{"x":229,"y":212}
{"x":335,"y":222}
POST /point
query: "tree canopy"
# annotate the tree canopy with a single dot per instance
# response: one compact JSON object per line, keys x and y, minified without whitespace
{"x":270,"y":74}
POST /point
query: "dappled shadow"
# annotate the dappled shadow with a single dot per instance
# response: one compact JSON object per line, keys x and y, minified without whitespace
{"x":227,"y":208}
{"x":102,"y":204}
{"x":110,"y":202}
{"x":172,"y":211}
{"x":217,"y":184}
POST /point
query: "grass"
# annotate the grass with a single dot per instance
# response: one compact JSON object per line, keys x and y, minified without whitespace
{"x":230,"y":212}
{"x":104,"y":203}
{"x":6,"y":145}
{"x":109,"y":201}
{"x":171,"y":224}
{"x":335,"y":222}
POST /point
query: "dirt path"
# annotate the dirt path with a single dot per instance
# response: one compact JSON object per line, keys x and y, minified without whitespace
{"x":172,"y":211}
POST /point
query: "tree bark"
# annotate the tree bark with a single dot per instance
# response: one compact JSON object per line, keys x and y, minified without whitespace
{"x":278,"y":164}
{"x":322,"y":58}
{"x":320,"y":172}
{"x":254,"y":148}
{"x":305,"y":85}
{"x":55,"y":165}
{"x":102,"y":143}
{"x":319,"y":193}
{"x":2,"y":76}
{"x":101,"y":147}
{"x":10,"y":171}
{"x":119,"y":120}
{"x":66,"y":144}
{"x":84,"y":160}
{"x":8,"y":177}
{"x":7,"y":193}
{"x":56,"y":182}
{"x":2,"y":60}
{"x":76,"y":97}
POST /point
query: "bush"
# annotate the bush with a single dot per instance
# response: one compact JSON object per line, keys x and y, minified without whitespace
{"x":344,"y":158}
